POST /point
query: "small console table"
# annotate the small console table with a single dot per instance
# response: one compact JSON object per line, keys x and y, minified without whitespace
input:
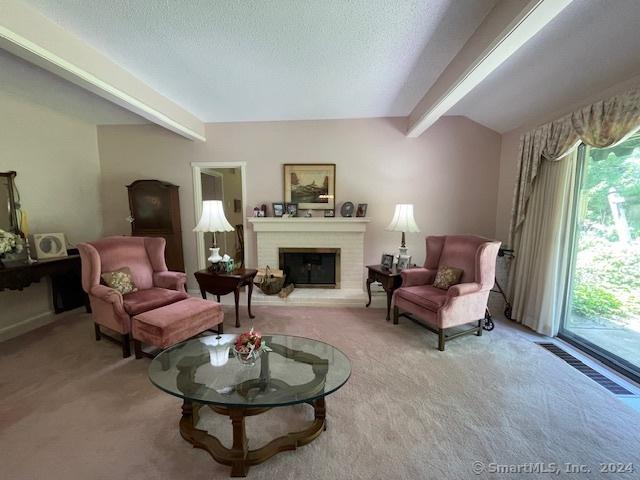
{"x":222,"y":283}
{"x":65,"y":274}
{"x":390,"y":280}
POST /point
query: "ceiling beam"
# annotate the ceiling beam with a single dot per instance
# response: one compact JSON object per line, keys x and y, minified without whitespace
{"x":30,"y":35}
{"x":508,"y":26}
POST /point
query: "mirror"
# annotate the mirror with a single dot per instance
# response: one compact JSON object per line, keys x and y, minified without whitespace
{"x":8,"y":207}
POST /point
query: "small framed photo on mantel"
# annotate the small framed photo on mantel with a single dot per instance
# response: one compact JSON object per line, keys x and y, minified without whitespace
{"x":362,"y":210}
{"x":292,"y":209}
{"x":278,"y":209}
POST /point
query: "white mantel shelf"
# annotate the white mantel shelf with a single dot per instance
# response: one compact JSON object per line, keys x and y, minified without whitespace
{"x":309,"y":224}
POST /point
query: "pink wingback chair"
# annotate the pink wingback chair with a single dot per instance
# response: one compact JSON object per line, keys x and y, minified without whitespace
{"x":463,"y":303}
{"x":157,"y":287}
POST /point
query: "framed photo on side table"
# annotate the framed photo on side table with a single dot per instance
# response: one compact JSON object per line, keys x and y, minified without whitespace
{"x":404,"y":261}
{"x":386,"y":261}
{"x":310,"y":185}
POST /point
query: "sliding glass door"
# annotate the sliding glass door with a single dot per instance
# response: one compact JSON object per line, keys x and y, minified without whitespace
{"x":602,"y":311}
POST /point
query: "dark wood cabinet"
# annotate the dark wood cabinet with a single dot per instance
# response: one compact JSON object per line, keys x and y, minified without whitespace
{"x":155,"y":210}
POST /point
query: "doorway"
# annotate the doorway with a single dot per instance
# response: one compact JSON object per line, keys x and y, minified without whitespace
{"x":225,"y":182}
{"x":603,"y":301}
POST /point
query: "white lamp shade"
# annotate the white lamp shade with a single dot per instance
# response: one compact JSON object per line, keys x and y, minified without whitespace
{"x":403,"y":220}
{"x":212,"y":218}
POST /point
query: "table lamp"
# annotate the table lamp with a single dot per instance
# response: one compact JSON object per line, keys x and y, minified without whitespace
{"x":403,"y":222}
{"x":213,"y":220}
{"x":218,"y":347}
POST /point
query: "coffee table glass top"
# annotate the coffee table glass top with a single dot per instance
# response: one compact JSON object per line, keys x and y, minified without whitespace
{"x":205,"y":370}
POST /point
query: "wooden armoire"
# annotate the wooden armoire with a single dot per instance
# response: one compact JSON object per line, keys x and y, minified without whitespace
{"x":155,"y":210}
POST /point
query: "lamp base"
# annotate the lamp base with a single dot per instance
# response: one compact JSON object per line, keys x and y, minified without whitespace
{"x":402,"y":250}
{"x":215,"y":255}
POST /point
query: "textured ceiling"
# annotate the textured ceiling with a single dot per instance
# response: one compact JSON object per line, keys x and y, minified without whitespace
{"x":22,"y":79}
{"x":274,"y":60}
{"x":589,"y":47}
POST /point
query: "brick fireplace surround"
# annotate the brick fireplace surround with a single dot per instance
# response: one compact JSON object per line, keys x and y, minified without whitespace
{"x":347,"y":234}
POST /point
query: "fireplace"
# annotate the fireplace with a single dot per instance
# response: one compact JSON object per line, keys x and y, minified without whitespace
{"x":311,"y":267}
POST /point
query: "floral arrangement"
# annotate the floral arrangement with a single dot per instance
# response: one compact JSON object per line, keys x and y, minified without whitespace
{"x":8,"y":242}
{"x":247,"y":342}
{"x":248,"y":347}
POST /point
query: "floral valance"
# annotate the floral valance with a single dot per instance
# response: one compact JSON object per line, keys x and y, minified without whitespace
{"x":602,"y":124}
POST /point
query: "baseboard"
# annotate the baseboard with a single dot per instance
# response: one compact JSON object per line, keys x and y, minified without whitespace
{"x":24,"y":326}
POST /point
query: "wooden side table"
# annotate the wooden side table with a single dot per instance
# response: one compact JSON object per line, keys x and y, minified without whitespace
{"x":390,"y":280}
{"x":222,"y":283}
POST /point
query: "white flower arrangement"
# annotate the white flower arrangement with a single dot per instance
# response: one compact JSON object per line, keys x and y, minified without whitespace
{"x":8,"y":242}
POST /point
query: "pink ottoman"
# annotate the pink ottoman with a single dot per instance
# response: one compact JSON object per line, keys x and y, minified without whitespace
{"x":174,"y":323}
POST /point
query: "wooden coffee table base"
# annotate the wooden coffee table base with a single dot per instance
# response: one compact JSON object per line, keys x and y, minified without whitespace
{"x":239,"y":457}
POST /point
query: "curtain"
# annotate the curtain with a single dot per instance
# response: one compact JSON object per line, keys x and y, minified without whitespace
{"x":543,"y":252}
{"x":542,"y":202}
{"x":602,"y":124}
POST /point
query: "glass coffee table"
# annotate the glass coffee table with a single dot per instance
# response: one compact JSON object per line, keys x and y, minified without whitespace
{"x":205,"y":374}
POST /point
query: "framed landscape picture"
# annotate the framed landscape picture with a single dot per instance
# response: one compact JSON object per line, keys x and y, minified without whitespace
{"x":310,"y":185}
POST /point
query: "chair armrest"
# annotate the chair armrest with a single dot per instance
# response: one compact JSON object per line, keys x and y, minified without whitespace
{"x":417,"y":276}
{"x":106,"y":294}
{"x":463,"y":289}
{"x":170,"y":280}
{"x":109,"y":295}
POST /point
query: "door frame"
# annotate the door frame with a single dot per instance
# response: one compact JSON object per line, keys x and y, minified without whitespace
{"x":220,"y":177}
{"x":197,"y":168}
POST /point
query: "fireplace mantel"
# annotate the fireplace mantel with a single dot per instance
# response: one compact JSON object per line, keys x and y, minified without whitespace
{"x":306,"y":224}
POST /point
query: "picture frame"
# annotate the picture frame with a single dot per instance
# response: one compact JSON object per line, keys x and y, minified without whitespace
{"x":404,"y":261}
{"x":362,"y":210}
{"x":278,"y":209}
{"x":49,"y":245}
{"x":310,"y":185}
{"x":386,"y":261}
{"x":292,"y":209}
{"x":329,"y":213}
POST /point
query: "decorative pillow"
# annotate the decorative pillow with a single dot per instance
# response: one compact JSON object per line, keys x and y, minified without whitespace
{"x":120,"y":280}
{"x":446,"y":277}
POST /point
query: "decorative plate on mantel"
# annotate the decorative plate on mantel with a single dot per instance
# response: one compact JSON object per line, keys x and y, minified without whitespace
{"x":347,"y":209}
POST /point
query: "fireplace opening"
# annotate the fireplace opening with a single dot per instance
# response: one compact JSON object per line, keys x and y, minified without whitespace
{"x":311,"y":267}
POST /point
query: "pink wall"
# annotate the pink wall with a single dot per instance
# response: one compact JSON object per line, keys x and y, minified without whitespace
{"x":450,"y":173}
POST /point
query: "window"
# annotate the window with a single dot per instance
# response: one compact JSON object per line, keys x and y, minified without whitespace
{"x":602,"y":312}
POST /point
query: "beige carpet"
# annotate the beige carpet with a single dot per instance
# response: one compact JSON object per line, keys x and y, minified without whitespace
{"x":71,"y":408}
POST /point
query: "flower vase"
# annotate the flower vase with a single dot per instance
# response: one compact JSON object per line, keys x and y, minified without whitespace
{"x":248,"y":359}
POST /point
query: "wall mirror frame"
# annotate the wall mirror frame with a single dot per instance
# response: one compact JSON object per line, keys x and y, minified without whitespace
{"x":9,"y":202}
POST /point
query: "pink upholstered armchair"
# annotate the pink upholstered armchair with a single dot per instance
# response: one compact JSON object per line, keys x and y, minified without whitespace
{"x":157,"y":287}
{"x":465,"y":302}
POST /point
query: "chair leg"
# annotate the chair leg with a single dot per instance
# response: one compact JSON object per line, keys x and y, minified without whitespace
{"x":220,"y":329}
{"x":96,"y":328}
{"x":441,"y":339}
{"x":479,"y":333}
{"x":137,"y":348}
{"x":126,"y":345}
{"x":396,"y":313}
